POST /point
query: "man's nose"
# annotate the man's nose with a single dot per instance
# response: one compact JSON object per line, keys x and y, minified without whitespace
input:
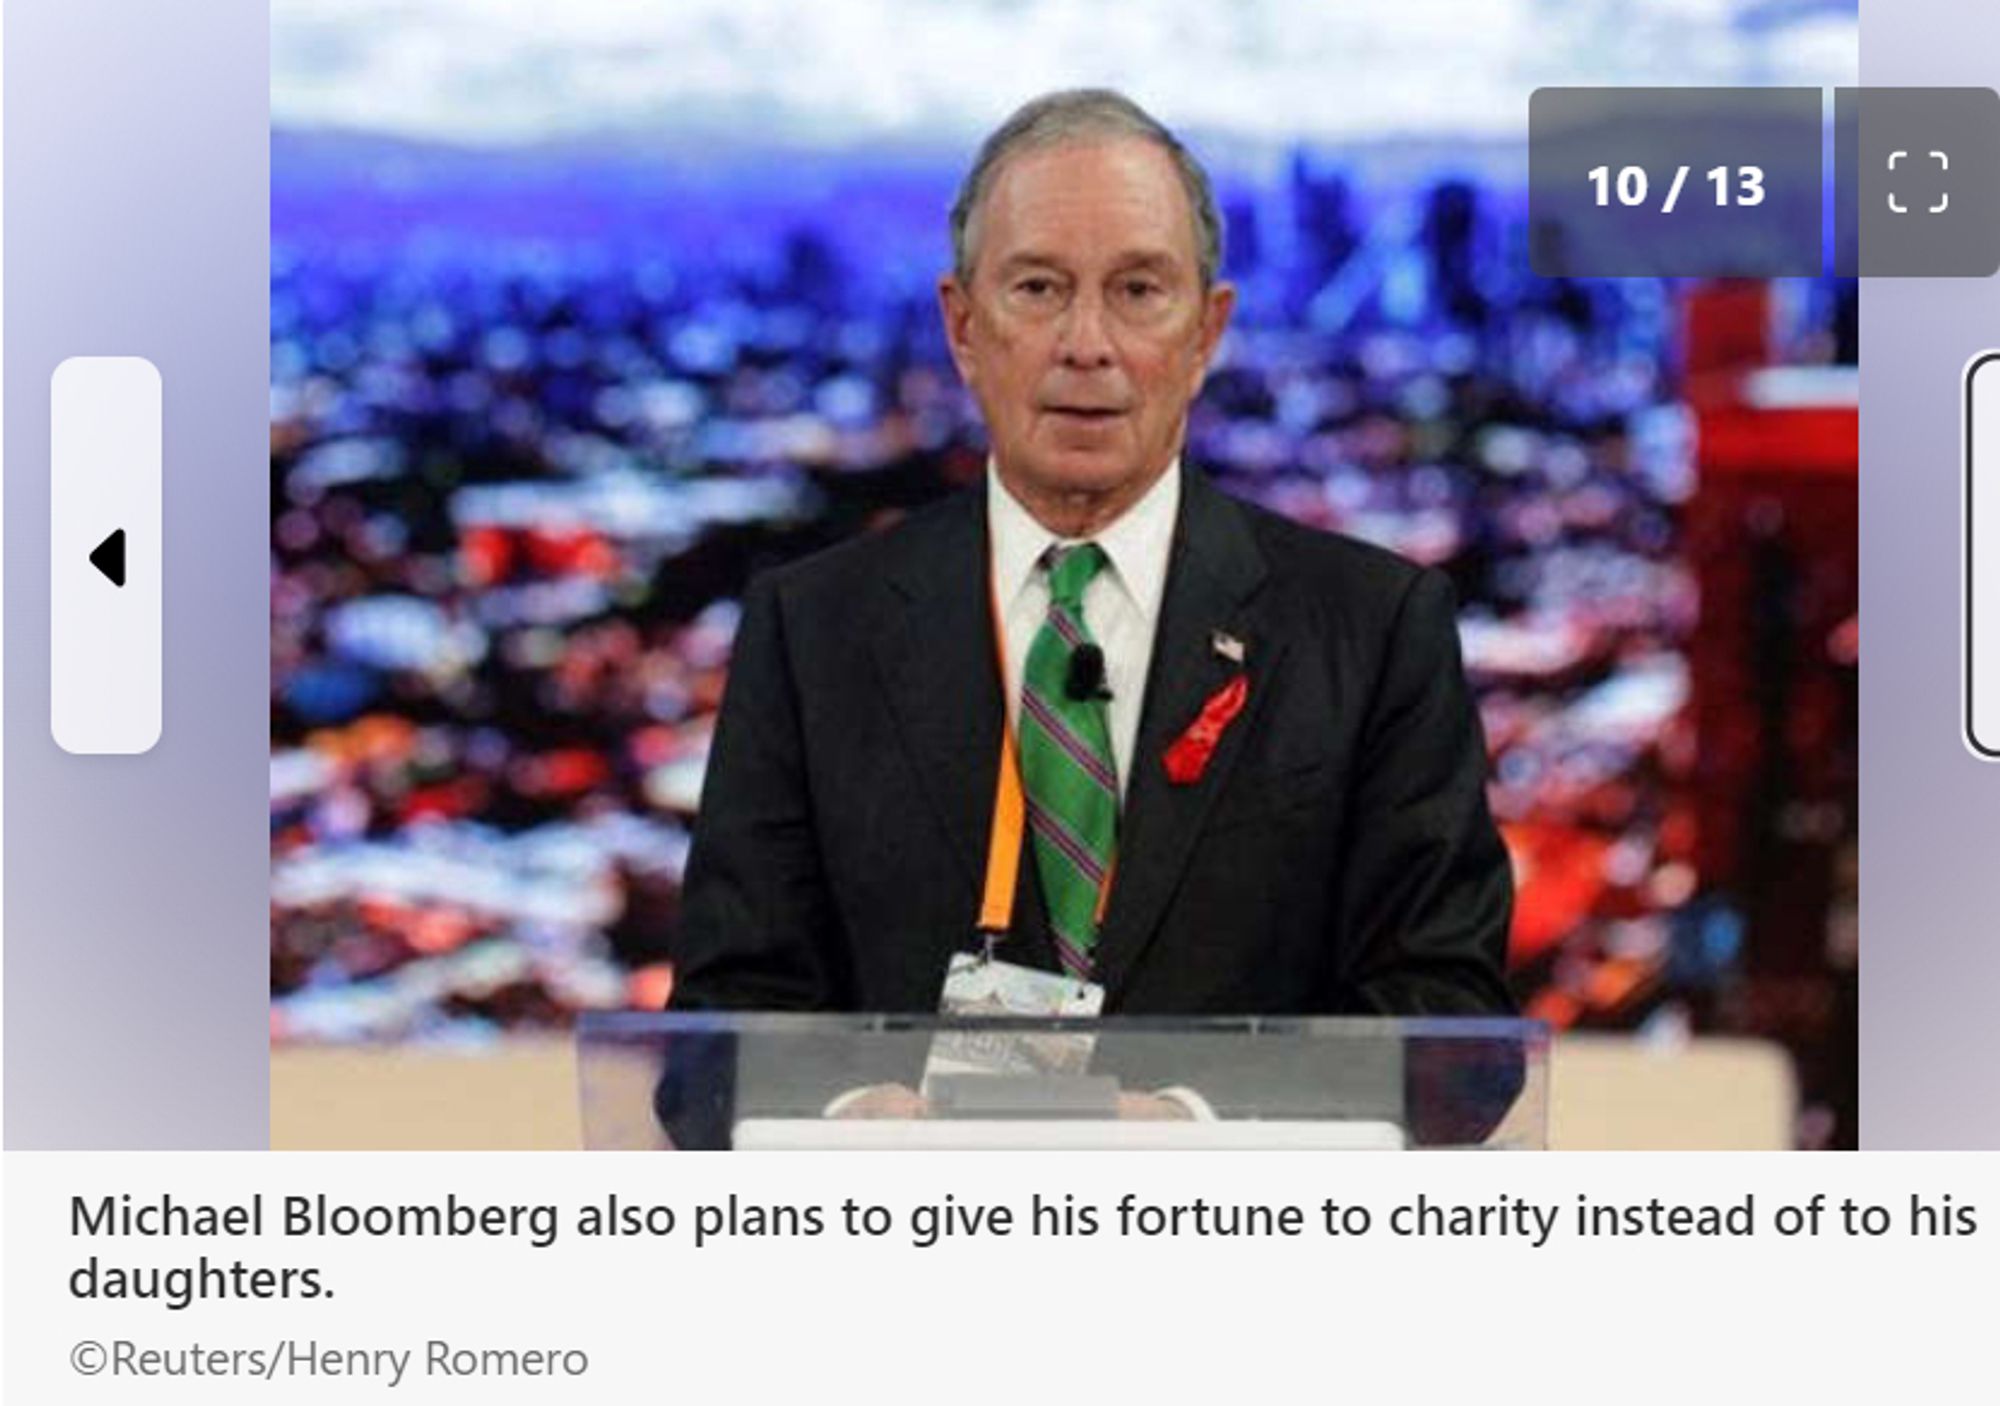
{"x":1085,"y":339}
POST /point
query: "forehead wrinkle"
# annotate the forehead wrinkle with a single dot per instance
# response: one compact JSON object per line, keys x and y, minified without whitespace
{"x":1030,"y":258}
{"x":1146,"y":258}
{"x":1131,"y":255}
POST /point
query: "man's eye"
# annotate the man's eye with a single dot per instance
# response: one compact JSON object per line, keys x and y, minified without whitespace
{"x":1036,"y":287}
{"x":1140,"y":289}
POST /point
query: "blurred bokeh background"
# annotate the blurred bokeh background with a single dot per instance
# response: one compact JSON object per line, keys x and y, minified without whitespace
{"x":582,"y":315}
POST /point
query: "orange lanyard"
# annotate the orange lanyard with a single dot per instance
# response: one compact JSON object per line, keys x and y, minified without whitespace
{"x":1003,"y":845}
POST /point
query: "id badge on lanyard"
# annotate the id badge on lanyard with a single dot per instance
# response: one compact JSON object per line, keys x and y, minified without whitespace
{"x":981,"y":983}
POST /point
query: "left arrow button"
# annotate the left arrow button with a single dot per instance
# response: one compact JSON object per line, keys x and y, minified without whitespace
{"x":108,"y":557}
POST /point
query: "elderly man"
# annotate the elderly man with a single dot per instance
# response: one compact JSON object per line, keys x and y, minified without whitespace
{"x":1187,"y":756}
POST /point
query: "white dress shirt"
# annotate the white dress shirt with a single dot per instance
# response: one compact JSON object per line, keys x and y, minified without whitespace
{"x":1121,"y":605}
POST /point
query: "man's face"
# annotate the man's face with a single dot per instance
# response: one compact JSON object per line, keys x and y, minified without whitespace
{"x":1084,"y":330}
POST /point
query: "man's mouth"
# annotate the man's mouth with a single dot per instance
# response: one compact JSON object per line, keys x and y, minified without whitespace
{"x":1087,"y":412}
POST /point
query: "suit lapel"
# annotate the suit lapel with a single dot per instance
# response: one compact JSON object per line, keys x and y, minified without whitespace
{"x":940,"y":676}
{"x":1212,"y":580}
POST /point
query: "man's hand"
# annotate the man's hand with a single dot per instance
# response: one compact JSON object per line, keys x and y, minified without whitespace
{"x":1151,"y":1107}
{"x":881,"y":1101}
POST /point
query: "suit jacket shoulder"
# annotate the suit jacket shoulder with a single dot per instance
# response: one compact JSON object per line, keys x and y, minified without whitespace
{"x":948,"y":534}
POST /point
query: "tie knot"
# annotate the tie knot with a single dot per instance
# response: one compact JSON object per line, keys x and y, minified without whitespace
{"x":1070,"y":570}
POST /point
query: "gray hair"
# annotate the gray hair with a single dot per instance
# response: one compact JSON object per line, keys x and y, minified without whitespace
{"x":1076,"y":115}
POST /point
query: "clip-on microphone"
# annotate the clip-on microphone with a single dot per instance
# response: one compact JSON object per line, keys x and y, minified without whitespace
{"x":1085,"y":680}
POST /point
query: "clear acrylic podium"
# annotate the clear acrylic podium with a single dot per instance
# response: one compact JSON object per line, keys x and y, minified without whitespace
{"x":765,"y":1081}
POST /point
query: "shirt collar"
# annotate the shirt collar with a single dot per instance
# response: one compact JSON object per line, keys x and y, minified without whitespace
{"x":1137,"y":542}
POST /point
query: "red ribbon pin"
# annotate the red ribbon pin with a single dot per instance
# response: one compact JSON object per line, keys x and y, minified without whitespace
{"x":1188,"y":757}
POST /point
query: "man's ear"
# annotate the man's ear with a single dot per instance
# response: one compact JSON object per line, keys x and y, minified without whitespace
{"x":955,"y":306}
{"x":1215,"y":312}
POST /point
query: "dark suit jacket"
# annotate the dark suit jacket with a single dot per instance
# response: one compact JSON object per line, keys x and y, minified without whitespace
{"x":1337,"y":856}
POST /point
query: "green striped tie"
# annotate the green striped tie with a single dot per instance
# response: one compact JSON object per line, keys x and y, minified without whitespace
{"x":1067,"y":767}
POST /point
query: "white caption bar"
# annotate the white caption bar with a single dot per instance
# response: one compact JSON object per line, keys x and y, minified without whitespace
{"x":998,"y":1277}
